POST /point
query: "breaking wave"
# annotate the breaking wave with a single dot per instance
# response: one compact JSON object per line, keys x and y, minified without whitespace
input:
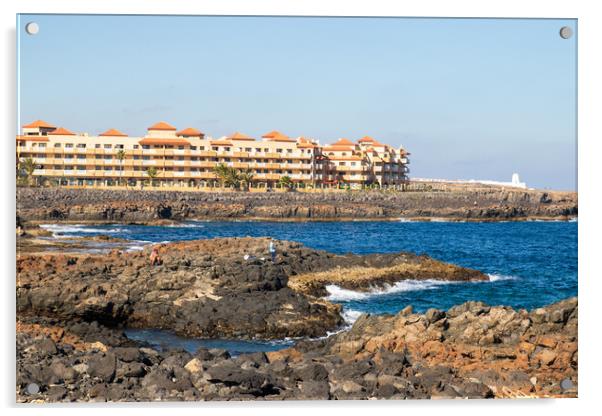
{"x":337,"y":293}
{"x":493,"y":277}
{"x":58,"y":230}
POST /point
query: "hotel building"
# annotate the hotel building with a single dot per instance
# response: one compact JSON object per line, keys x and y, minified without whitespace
{"x":187,"y":158}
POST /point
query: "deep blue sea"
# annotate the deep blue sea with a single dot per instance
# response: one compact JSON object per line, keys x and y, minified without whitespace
{"x":531,"y":263}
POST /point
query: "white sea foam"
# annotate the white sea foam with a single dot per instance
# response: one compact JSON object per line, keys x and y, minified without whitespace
{"x":58,"y":229}
{"x":337,"y":293}
{"x":405,"y":220}
{"x":494,"y":277}
{"x":350,"y":315}
{"x":186,"y":225}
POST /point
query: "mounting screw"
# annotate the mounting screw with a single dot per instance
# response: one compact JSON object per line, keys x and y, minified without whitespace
{"x":32,"y":28}
{"x":566,"y":32}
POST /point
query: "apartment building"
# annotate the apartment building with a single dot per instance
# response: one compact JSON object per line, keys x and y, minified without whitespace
{"x":187,"y":158}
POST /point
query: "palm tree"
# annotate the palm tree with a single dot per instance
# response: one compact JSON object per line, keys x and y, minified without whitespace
{"x":221,"y":173}
{"x":246,"y":176}
{"x":286,"y":182}
{"x":28,"y":166}
{"x":152,"y":173}
{"x":232,"y":178}
{"x":120,"y":156}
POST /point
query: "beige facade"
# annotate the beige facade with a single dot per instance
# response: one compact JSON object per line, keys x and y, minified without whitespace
{"x":188,"y":158}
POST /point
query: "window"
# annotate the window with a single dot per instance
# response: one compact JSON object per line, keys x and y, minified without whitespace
{"x":289,"y":150}
{"x":57,"y":145}
{"x":118,"y":146}
{"x":136,"y":146}
{"x":107,"y":146}
{"x":81,"y":145}
{"x":81,"y":157}
{"x":97,"y":146}
{"x":145,"y":146}
{"x":181,"y":147}
{"x":98,"y":167}
{"x":192,"y":147}
{"x":69,"y":145}
{"x":279,"y":150}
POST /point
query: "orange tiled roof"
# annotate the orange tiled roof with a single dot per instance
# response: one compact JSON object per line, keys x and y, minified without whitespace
{"x":158,"y":141}
{"x":113,"y":132}
{"x":161,"y":126}
{"x":61,"y":131}
{"x":221,"y":142}
{"x":39,"y":123}
{"x":190,"y":132}
{"x":271,"y":134}
{"x":32,"y":139}
{"x":366,"y":139}
{"x":276,"y":136}
{"x":239,"y":136}
{"x":342,"y":142}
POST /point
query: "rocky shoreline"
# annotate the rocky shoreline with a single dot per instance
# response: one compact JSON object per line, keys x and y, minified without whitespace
{"x":72,"y":310}
{"x":207,"y":288}
{"x":470,"y":351}
{"x":135,"y":206}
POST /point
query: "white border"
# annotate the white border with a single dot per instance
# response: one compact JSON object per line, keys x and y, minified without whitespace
{"x":589,"y":153}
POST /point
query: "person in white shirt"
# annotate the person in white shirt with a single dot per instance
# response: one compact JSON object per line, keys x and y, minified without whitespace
{"x":272,"y":250}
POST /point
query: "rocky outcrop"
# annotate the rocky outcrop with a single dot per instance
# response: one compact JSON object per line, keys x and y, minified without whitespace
{"x":470,"y":351}
{"x":484,"y":203}
{"x":207,"y":288}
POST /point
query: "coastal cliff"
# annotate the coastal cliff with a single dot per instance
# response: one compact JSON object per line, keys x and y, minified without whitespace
{"x":482,"y":203}
{"x":470,"y":351}
{"x":207,"y":288}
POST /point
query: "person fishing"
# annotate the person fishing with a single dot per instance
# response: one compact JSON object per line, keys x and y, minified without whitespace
{"x":272,"y":250}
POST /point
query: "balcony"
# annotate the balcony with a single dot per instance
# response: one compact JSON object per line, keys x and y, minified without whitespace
{"x":149,"y":162}
{"x":209,"y":153}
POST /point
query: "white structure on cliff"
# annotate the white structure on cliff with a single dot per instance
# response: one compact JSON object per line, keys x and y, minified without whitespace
{"x":514,"y":183}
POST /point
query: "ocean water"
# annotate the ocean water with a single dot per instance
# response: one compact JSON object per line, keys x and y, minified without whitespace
{"x":531,"y":263}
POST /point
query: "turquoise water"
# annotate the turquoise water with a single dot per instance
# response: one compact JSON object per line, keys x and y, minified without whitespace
{"x":531,"y":263}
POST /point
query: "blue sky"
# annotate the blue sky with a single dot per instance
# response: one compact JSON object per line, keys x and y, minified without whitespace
{"x":469,"y":98}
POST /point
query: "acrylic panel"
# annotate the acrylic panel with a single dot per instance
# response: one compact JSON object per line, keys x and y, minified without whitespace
{"x":217,"y":208}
